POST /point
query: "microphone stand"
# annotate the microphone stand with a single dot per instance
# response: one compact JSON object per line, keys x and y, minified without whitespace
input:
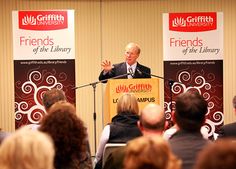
{"x":170,"y":82}
{"x":93,"y":84}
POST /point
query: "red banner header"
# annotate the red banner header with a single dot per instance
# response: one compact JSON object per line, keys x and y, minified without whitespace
{"x":43,"y":20}
{"x":192,"y":22}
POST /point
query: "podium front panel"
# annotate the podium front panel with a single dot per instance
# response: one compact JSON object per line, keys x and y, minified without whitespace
{"x":146,"y":91}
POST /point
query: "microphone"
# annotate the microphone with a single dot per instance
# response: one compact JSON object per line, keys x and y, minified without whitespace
{"x":131,"y":71}
{"x":139,"y":72}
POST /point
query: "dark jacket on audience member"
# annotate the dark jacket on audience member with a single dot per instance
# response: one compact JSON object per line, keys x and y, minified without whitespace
{"x":228,"y":130}
{"x":124,"y":128}
{"x":186,"y":145}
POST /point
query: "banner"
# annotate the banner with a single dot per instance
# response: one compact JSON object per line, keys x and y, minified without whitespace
{"x":44,"y":58}
{"x":193,"y":55}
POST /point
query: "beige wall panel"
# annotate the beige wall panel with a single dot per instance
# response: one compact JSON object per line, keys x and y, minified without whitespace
{"x":229,"y":7}
{"x":102,"y":29}
{"x":6,"y":68}
{"x":88,"y":61}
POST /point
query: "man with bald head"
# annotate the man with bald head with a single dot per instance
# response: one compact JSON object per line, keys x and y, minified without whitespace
{"x":151,"y":124}
{"x":152,"y":120}
{"x":132,"y":52}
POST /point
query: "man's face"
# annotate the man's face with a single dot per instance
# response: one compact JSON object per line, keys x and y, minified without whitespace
{"x":131,"y":54}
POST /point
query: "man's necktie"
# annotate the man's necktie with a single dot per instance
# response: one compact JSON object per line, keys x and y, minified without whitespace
{"x":130,"y":70}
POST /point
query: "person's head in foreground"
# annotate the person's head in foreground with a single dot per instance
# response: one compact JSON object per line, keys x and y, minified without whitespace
{"x":190,"y":111}
{"x":27,"y":149}
{"x":219,"y":155}
{"x":152,"y":120}
{"x":150,"y":153}
{"x":127,"y":103}
{"x":52,"y":96}
{"x":68,"y":134}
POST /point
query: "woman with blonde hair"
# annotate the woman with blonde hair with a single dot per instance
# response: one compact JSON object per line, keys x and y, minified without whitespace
{"x":150,"y":153}
{"x":123,"y":126}
{"x":27,"y":149}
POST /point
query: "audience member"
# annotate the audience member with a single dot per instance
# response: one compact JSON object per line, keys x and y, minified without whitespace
{"x":49,"y":98}
{"x":152,"y":120}
{"x":189,"y":115}
{"x":150,"y":153}
{"x":132,"y":52}
{"x":151,"y":123}
{"x":229,"y":130}
{"x":52,"y":96}
{"x":219,"y":155}
{"x":27,"y":149}
{"x":123,"y":126}
{"x":69,"y":136}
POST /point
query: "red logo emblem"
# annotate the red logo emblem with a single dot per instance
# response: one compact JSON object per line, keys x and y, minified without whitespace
{"x":43,"y":20}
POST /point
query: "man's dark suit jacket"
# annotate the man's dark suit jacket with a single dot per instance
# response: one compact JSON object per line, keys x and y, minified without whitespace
{"x":228,"y":130}
{"x":121,"y":69}
{"x":186,"y":146}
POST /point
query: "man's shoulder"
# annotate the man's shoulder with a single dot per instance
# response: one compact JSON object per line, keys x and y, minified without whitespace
{"x":229,"y":126}
{"x":180,"y":142}
{"x":228,"y":130}
{"x":182,"y":136}
{"x":140,"y":66}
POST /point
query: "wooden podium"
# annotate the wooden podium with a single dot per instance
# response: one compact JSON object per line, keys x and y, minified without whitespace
{"x":146,"y":91}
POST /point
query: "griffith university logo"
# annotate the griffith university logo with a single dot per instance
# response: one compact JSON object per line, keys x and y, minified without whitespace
{"x":134,"y":88}
{"x":192,"y":22}
{"x":179,"y":22}
{"x":43,"y":20}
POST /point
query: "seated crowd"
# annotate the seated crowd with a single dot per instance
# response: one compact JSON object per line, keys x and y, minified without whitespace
{"x":60,"y":141}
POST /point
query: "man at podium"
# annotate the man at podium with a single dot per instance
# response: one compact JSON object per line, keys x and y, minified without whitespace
{"x":130,"y":68}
